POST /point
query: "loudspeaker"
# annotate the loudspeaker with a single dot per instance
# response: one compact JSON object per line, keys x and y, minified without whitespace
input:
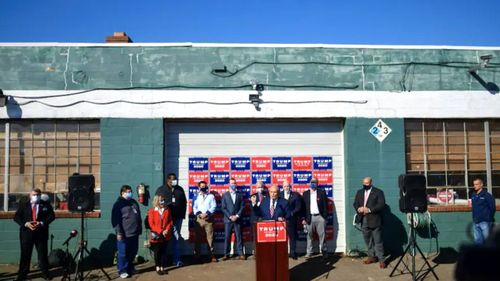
{"x":413,"y":194}
{"x":81,"y":193}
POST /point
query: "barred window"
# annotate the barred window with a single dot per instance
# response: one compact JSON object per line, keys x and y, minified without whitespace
{"x":43,"y":154}
{"x":452,"y":153}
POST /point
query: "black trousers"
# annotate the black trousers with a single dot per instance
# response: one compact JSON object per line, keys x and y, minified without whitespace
{"x":160,"y":253}
{"x":28,"y":240}
{"x":291,"y":228}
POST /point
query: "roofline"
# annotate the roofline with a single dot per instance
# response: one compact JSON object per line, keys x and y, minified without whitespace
{"x":245,"y":45}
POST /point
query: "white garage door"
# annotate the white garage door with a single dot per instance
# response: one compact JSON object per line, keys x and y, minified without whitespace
{"x":260,"y":138}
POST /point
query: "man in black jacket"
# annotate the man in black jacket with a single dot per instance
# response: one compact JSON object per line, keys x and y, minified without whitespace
{"x":369,"y":203}
{"x":316,"y":203}
{"x":127,"y":223}
{"x":34,"y":218}
{"x":294,"y":201}
{"x":176,"y":200}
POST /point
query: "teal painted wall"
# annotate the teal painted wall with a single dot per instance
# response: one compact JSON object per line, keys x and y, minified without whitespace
{"x":131,"y":153}
{"x":76,"y":68}
{"x":384,"y":162}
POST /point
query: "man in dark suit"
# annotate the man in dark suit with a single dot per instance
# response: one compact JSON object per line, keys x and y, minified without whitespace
{"x":34,"y":218}
{"x":232,"y":207}
{"x":272,"y":207}
{"x":369,"y":203}
{"x":316,"y":203}
{"x":294,"y":202}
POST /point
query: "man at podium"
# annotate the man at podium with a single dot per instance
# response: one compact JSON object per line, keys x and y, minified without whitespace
{"x":272,"y":207}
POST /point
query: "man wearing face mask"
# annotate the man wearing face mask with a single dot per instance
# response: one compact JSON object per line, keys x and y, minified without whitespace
{"x":316,"y":203}
{"x":176,"y":200}
{"x":127,"y":223}
{"x":369,"y":203}
{"x":203,"y":208}
{"x":34,"y":218}
{"x":232,"y":208}
{"x":294,"y":202}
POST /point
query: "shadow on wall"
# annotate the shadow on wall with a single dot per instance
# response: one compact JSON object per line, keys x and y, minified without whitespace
{"x":394,"y":235}
{"x":13,"y":108}
{"x":104,"y":256}
{"x":335,"y":230}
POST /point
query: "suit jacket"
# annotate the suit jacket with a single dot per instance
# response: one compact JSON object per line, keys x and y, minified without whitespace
{"x":45,"y":215}
{"x":375,"y":202}
{"x":159,"y":223}
{"x":322,"y":204}
{"x":295,"y":205}
{"x":263,"y":210}
{"x":229,"y":208}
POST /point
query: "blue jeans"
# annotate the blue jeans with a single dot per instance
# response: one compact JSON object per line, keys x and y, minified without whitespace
{"x":127,"y":250}
{"x":176,"y":245}
{"x":481,"y":232}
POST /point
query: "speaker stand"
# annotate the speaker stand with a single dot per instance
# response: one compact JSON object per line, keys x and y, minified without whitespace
{"x":411,"y":249}
{"x":80,"y":255}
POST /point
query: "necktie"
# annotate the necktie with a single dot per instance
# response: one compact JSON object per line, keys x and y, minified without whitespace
{"x":33,"y":212}
{"x":271,"y":208}
{"x":260,"y":197}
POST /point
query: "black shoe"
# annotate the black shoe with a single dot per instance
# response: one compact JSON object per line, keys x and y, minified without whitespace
{"x":159,"y":272}
{"x":294,"y":256}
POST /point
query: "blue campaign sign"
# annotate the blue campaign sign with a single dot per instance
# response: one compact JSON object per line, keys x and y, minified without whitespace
{"x":198,"y":164}
{"x":328,"y":189}
{"x":282,"y":163}
{"x":193,"y":192}
{"x":302,"y":177}
{"x":265,"y":177}
{"x":244,"y":190}
{"x":219,"y":178}
{"x":322,"y":163}
{"x":240,"y":163}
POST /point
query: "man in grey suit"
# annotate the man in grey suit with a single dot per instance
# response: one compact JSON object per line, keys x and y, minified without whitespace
{"x":232,"y":207}
{"x":369,"y":203}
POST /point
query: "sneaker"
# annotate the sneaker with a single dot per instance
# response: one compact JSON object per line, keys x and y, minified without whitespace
{"x":179,"y":264}
{"x":124,"y":275}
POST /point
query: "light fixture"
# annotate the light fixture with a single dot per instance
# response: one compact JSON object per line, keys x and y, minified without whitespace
{"x":255,"y":98}
{"x":3,"y":99}
{"x":485,"y":59}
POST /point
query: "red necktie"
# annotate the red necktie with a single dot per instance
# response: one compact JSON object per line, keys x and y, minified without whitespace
{"x":33,"y":212}
{"x":271,"y":208}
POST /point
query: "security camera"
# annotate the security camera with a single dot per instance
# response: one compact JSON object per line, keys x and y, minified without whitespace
{"x":486,"y":57}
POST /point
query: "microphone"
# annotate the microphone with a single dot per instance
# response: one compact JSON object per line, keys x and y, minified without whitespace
{"x":72,"y":234}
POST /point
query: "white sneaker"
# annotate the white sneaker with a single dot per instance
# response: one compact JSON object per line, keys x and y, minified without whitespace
{"x":124,"y":275}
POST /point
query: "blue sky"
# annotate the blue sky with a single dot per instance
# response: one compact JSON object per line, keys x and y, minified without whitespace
{"x":394,"y":22}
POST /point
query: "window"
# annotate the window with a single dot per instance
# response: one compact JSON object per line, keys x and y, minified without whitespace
{"x":43,"y":154}
{"x":452,"y":153}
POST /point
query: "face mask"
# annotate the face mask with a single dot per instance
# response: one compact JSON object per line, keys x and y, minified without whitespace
{"x":127,"y":195}
{"x":204,"y":189}
{"x":366,"y":187}
{"x":313,"y":185}
{"x":35,"y":199}
{"x":232,"y":186}
{"x":174,"y":182}
{"x":162,"y":203}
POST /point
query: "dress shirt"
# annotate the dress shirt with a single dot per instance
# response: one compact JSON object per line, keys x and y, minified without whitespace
{"x":204,"y":204}
{"x":233,"y":196}
{"x":314,"y":203}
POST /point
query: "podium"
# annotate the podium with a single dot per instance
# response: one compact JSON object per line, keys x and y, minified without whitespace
{"x":271,"y":251}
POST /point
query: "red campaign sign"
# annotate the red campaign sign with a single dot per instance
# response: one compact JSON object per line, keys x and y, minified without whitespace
{"x":330,"y":206}
{"x":300,"y":188}
{"x":242,"y":178}
{"x":196,"y":177}
{"x":219,"y":189}
{"x":271,"y":231}
{"x":218,"y":221}
{"x":279,"y":176}
{"x":329,"y":232}
{"x":219,"y":163}
{"x":246,"y":234}
{"x":190,"y":206}
{"x":302,"y":163}
{"x":261,"y":163}
{"x":324,"y":177}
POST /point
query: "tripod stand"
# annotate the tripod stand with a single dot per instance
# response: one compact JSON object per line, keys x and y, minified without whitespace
{"x":411,"y":248}
{"x":80,"y":254}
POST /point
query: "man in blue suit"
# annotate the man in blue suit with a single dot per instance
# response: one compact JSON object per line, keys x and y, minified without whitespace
{"x":295,"y":207}
{"x":272,"y":207}
{"x":232,"y":207}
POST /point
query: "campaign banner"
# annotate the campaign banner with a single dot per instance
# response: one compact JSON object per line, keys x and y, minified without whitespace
{"x":261,"y":163}
{"x":264,"y":176}
{"x":302,"y":163}
{"x":282,"y":163}
{"x":240,"y":163}
{"x":219,"y":163}
{"x":324,"y":177}
{"x":219,"y":178}
{"x":241,"y":178}
{"x":278,"y":177}
{"x":302,"y":177}
{"x":271,"y":231}
{"x":198,"y":164}
{"x":195,"y":177}
{"x":322,"y":163}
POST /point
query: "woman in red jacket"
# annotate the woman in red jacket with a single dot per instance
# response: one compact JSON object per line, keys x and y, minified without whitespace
{"x":160,"y":222}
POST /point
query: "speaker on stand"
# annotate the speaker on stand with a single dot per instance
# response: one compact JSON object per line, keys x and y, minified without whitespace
{"x":413,"y":199}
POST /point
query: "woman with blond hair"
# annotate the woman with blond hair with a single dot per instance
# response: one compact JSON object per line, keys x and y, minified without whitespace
{"x":160,"y":222}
